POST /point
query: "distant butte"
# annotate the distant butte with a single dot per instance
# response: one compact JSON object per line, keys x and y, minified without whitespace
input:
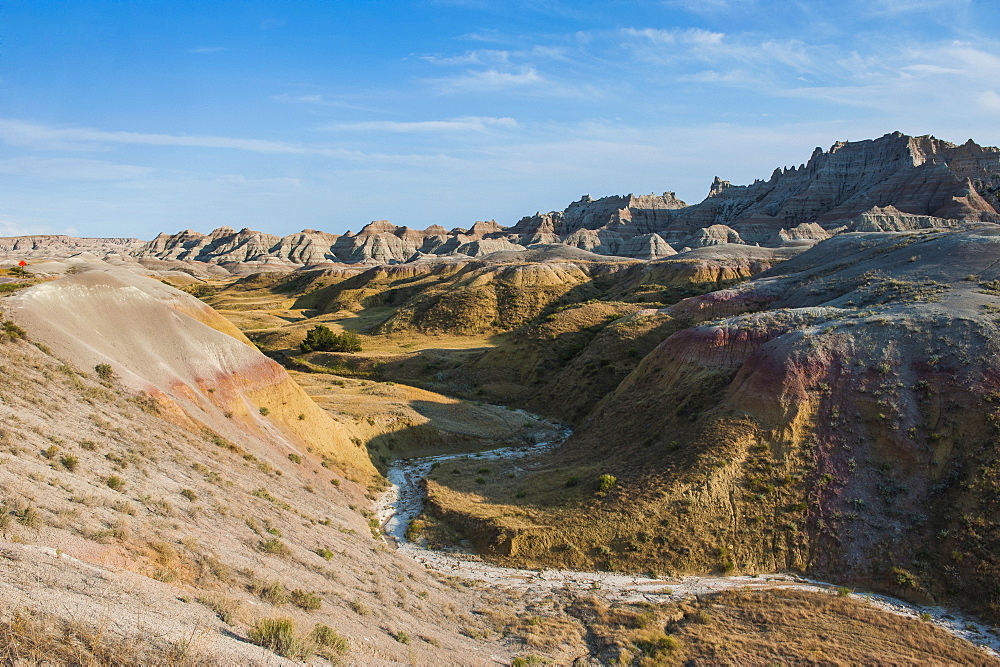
{"x":894,"y":183}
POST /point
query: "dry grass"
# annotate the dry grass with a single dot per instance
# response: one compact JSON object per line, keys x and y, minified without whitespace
{"x":37,"y":638}
{"x":767,"y":627}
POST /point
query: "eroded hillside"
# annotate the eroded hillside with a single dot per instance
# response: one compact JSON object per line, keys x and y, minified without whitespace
{"x":836,"y":420}
{"x":163,"y":501}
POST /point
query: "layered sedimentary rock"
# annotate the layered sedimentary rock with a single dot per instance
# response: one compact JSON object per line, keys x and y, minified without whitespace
{"x":894,"y":183}
{"x":60,"y":245}
{"x":198,"y":367}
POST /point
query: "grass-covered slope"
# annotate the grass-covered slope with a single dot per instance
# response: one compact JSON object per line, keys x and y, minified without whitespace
{"x":843,"y":426}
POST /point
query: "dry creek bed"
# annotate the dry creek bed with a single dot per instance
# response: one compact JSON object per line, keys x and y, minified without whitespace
{"x":404,"y":500}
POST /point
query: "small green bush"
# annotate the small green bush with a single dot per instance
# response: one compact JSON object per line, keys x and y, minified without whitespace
{"x":28,"y":516}
{"x":273,"y":592}
{"x":331,"y":644}
{"x":264,"y":411}
{"x":402,"y":637}
{"x":115,"y":483}
{"x":275,"y":547}
{"x":323,"y":552}
{"x":659,"y":646}
{"x":105,"y":372}
{"x":306,"y":600}
{"x":321,"y":339}
{"x":70,"y":462}
{"x":295,"y":458}
{"x":606,"y":482}
{"x":278,"y":635}
{"x":13,"y":331}
{"x":189,"y":494}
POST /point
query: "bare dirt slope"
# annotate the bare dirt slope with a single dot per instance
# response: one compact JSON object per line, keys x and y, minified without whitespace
{"x":123,"y":507}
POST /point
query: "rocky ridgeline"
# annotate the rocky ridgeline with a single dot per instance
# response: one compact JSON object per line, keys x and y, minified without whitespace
{"x":894,"y":183}
{"x":57,"y":245}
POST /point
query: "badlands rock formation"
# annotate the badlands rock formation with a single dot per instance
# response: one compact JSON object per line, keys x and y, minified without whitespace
{"x":59,"y":245}
{"x":191,"y":361}
{"x":894,"y":183}
{"x":835,"y":414}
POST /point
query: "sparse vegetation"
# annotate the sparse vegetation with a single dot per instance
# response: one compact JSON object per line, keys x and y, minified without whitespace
{"x":115,"y":483}
{"x":105,"y":373}
{"x":275,"y":547}
{"x":272,"y":592}
{"x":606,"y":482}
{"x":279,"y":635}
{"x":322,"y":339}
{"x":305,"y":600}
{"x":329,"y":643}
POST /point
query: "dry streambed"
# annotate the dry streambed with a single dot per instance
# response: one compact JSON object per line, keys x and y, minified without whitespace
{"x":404,"y":500}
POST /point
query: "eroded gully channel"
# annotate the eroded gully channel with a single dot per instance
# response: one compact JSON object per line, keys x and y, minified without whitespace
{"x":404,"y":500}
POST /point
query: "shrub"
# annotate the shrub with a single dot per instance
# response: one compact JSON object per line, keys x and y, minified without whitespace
{"x":606,"y":482}
{"x":269,"y":591}
{"x":359,"y":608}
{"x":105,"y":372}
{"x":904,"y":578}
{"x":295,"y":458}
{"x":657,"y":646}
{"x":278,"y":635}
{"x":275,"y":547}
{"x":13,"y":331}
{"x":321,"y":339}
{"x":115,"y":483}
{"x":572,"y":481}
{"x":69,"y":462}
{"x":327,"y":638}
{"x":307,"y":601}
{"x":403,"y":637}
{"x":189,"y":494}
{"x":51,"y":452}
{"x":227,"y":609}
{"x":844,"y":591}
{"x":264,"y":411}
{"x":28,"y":516}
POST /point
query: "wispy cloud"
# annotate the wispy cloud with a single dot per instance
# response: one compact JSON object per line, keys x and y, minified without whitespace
{"x":695,"y":45}
{"x":464,"y":124}
{"x":895,"y":7}
{"x":73,"y":169}
{"x":207,"y":49}
{"x":496,"y":57}
{"x":9,"y":227}
{"x":488,"y":80}
{"x":21,"y":133}
{"x":322,"y":101}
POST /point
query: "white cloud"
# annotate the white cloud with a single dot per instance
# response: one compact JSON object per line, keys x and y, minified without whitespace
{"x":895,"y":7}
{"x":71,"y":169}
{"x":694,"y":45}
{"x":498,"y":56}
{"x":490,"y":79}
{"x":21,"y":133}
{"x":322,"y":101}
{"x":464,"y":124}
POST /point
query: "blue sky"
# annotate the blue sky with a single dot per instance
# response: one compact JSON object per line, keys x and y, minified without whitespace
{"x":132,"y":117}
